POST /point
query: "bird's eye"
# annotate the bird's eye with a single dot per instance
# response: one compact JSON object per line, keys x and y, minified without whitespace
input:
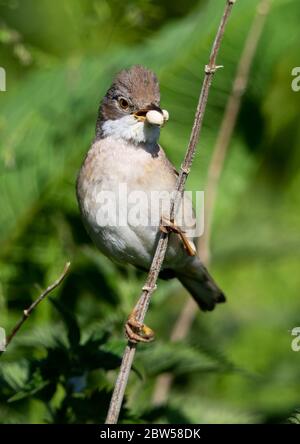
{"x":123,"y":103}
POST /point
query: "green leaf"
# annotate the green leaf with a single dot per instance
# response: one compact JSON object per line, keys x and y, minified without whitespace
{"x":70,"y":321}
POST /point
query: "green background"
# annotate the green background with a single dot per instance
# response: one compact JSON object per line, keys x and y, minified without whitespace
{"x":236,"y":365}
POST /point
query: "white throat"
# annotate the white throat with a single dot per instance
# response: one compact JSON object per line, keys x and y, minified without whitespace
{"x":130,"y":129}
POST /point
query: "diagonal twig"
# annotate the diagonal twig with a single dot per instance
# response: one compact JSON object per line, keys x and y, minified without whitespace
{"x":189,"y":311}
{"x":27,"y":312}
{"x":159,"y":255}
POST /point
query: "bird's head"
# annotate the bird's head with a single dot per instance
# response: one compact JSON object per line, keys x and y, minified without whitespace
{"x":131,"y":109}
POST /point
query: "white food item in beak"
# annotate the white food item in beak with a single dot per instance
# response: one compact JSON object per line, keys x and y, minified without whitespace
{"x":165,"y":114}
{"x":154,"y":117}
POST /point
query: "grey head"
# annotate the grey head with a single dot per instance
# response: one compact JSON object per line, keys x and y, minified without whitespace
{"x":123,"y":111}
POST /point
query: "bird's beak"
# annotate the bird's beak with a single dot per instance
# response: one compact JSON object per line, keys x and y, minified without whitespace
{"x":153,"y":115}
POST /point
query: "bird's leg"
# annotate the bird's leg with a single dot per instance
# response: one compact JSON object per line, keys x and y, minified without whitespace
{"x":167,"y":225}
{"x":137,"y":331}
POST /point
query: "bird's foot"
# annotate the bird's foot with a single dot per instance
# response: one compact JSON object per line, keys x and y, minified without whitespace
{"x":167,"y":225}
{"x":137,"y":331}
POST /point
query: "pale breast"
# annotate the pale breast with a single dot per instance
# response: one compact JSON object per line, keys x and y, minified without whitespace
{"x":130,"y":232}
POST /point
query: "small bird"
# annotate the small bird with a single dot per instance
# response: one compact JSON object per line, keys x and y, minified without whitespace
{"x":126,"y":153}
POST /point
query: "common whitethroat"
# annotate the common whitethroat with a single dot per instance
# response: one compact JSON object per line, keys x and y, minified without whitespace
{"x":126,"y":155}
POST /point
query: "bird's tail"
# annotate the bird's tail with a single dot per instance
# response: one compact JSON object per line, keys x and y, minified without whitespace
{"x":197,"y":280}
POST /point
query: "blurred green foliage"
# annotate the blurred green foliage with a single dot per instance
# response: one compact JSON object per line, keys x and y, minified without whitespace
{"x":236,"y":364}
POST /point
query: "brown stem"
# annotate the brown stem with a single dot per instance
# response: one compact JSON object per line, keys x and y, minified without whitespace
{"x":159,"y":255}
{"x":27,"y":312}
{"x":187,"y":316}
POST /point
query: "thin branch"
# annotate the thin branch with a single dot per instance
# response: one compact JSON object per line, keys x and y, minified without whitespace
{"x":159,"y":255}
{"x":187,"y":316}
{"x":27,"y":312}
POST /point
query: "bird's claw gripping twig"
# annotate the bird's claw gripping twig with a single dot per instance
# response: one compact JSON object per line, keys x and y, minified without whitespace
{"x":137,"y":331}
{"x":167,"y":225}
